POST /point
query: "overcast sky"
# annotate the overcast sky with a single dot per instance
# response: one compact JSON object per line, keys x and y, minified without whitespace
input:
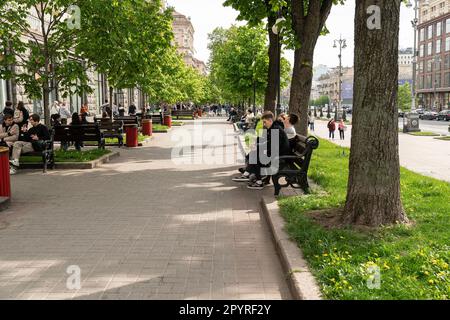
{"x":209,"y":14}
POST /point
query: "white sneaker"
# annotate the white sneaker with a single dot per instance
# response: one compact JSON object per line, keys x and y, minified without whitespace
{"x":14,"y":163}
{"x":12,"y":170}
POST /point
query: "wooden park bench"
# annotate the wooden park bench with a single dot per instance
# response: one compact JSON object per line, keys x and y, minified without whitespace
{"x":128,"y":121}
{"x":80,"y":133}
{"x":113,"y":130}
{"x":47,"y":153}
{"x":182,"y":113}
{"x":294,"y":168}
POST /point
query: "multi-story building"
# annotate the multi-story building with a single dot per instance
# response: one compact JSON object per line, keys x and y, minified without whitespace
{"x":433,"y":62}
{"x":184,"y":40}
{"x":328,"y":85}
{"x":406,"y":56}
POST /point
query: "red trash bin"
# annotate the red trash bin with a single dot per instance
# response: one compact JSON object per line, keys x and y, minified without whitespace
{"x":132,"y":136}
{"x":168,"y":121}
{"x":147,"y":127}
{"x":5,"y":182}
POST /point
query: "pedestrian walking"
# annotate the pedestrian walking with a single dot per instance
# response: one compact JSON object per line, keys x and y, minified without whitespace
{"x":342,"y":128}
{"x":331,"y":128}
{"x":312,"y":119}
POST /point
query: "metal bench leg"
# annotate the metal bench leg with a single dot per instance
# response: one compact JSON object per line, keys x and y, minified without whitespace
{"x":276,"y":185}
{"x":304,"y":183}
{"x":44,"y":159}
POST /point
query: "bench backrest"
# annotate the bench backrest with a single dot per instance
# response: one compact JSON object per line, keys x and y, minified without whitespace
{"x":182,"y":112}
{"x":78,"y":133}
{"x":116,"y":126}
{"x":303,"y":147}
{"x":128,"y":120}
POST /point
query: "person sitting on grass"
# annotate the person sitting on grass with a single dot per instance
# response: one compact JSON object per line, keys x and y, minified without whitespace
{"x":32,"y":141}
{"x":9,"y":131}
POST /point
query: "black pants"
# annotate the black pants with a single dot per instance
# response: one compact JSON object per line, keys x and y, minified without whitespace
{"x":341,"y":134}
{"x":331,"y":135}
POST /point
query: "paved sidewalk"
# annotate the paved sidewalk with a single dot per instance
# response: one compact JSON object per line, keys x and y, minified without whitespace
{"x":424,"y":155}
{"x":139,"y":227}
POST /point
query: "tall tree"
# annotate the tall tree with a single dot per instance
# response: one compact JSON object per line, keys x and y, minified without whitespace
{"x":239,"y":60}
{"x":308,"y":22}
{"x":129,"y":41}
{"x":373,"y":196}
{"x":404,"y":97}
{"x":255,"y":11}
{"x":38,"y":40}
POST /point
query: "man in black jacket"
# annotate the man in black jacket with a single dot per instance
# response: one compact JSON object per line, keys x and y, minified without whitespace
{"x":31,"y":141}
{"x":272,"y":144}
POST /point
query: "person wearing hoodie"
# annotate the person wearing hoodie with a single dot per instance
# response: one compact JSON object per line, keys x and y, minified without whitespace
{"x":264,"y":146}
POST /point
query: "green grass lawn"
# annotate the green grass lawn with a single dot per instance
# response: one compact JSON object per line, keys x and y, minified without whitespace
{"x":141,"y":138}
{"x":182,"y":118}
{"x":70,"y":156}
{"x":424,"y":134}
{"x":446,"y":138}
{"x":177,"y":123}
{"x":159,"y":127}
{"x":413,"y":260}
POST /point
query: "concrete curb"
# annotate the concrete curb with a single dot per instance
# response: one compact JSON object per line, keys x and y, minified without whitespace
{"x":4,"y":203}
{"x":76,"y":165}
{"x":301,"y":281}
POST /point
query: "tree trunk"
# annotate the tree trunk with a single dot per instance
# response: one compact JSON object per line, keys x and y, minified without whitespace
{"x":111,"y":91}
{"x":373,"y":196}
{"x":307,"y":29}
{"x":46,"y":100}
{"x":301,"y":88}
{"x":270,"y":99}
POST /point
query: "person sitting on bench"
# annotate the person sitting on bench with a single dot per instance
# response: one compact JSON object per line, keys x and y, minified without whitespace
{"x":9,"y":131}
{"x":246,"y":121}
{"x":32,"y":141}
{"x":265,"y":146}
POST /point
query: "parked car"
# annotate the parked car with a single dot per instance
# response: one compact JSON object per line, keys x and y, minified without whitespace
{"x":429,"y":115}
{"x":418,"y":111}
{"x":444,"y":115}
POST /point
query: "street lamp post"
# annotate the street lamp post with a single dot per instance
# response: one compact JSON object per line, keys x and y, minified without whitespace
{"x":254,"y":87}
{"x":415,"y":24}
{"x":437,"y":59}
{"x":342,"y":45}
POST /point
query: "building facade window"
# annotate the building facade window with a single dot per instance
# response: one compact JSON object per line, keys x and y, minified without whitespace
{"x":438,"y":45}
{"x":447,"y":79}
{"x":447,"y":25}
{"x":428,"y":82}
{"x":438,"y":29}
{"x":430,"y":49}
{"x":421,"y":51}
{"x":447,"y":44}
{"x":447,"y":62}
{"x":437,"y":80}
{"x":422,"y":34}
{"x":429,"y":66}
{"x":430,"y":32}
